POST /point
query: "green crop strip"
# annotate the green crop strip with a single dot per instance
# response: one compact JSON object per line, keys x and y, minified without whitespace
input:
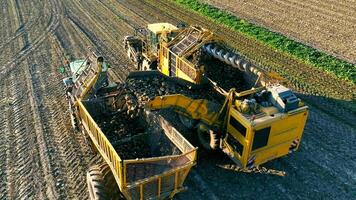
{"x":309,"y":55}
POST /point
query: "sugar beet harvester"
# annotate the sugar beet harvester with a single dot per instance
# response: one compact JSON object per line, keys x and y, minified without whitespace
{"x":251,"y":126}
{"x":135,"y":166}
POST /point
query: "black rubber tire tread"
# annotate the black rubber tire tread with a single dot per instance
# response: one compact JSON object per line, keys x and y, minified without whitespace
{"x":111,"y":187}
{"x":105,"y":186}
{"x":96,"y":183}
{"x":212,"y":143}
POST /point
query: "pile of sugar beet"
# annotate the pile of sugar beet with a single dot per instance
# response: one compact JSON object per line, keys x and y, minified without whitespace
{"x":125,"y":125}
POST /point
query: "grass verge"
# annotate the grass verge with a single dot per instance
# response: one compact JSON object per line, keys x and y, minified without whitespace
{"x":279,"y":42}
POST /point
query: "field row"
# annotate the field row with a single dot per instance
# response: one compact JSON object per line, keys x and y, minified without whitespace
{"x":277,"y":41}
{"x":323,"y":90}
{"x":328,"y":25}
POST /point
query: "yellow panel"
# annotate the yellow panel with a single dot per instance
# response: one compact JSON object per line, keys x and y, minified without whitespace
{"x":245,"y":141}
{"x":164,"y":69}
{"x":284,"y":129}
{"x":159,"y":27}
{"x":272,"y":152}
{"x":182,"y":75}
{"x":288,"y":128}
{"x":282,"y":133}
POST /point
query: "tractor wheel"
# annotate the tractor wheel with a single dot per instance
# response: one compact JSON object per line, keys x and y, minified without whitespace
{"x":102,"y":184}
{"x":208,"y":138}
{"x":96,"y":185}
{"x":187,"y":121}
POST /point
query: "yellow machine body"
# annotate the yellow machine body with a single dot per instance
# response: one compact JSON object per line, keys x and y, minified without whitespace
{"x":248,"y":139}
{"x":158,"y":184}
{"x":262,"y":139}
{"x":183,"y":69}
{"x":172,"y":46}
{"x":159,"y":28}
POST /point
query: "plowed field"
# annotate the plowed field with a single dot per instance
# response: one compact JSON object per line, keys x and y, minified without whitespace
{"x":329,"y":25}
{"x":42,"y":158}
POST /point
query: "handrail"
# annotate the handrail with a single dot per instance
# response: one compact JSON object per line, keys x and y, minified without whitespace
{"x":145,"y":160}
{"x":153,"y":178}
{"x":185,"y":62}
{"x":102,"y":144}
{"x":168,"y":183}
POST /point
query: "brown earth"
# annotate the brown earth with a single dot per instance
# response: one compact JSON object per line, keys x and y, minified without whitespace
{"x":328,"y":25}
{"x":42,"y":158}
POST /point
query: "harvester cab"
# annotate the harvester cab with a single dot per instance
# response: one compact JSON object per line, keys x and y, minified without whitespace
{"x":144,"y":46}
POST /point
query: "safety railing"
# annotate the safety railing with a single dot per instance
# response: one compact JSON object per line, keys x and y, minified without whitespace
{"x":102,"y":144}
{"x":182,"y":64}
{"x":161,"y":185}
{"x":147,"y":178}
{"x":160,"y":177}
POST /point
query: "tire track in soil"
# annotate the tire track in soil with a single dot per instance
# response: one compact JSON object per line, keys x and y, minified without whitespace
{"x":10,"y":23}
{"x":20,"y":32}
{"x":72,"y":151}
{"x":22,"y":177}
{"x":23,"y":156}
{"x":118,"y":61}
{"x":5,"y":106}
{"x":4,"y":22}
{"x":30,"y":47}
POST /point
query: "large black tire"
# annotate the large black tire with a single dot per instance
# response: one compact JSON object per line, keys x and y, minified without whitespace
{"x":208,"y":138}
{"x":102,"y":184}
{"x":96,"y":185}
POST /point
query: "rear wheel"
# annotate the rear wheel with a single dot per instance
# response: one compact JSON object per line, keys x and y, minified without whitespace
{"x":102,"y":184}
{"x":96,"y":186}
{"x":208,"y":138}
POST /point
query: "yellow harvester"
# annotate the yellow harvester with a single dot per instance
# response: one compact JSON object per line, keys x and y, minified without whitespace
{"x":252,"y":126}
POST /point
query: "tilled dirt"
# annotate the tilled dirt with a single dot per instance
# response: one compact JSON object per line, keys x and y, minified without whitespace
{"x":42,"y":158}
{"x":328,"y":24}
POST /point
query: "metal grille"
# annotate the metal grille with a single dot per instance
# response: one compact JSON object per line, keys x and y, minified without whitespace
{"x":145,"y":168}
